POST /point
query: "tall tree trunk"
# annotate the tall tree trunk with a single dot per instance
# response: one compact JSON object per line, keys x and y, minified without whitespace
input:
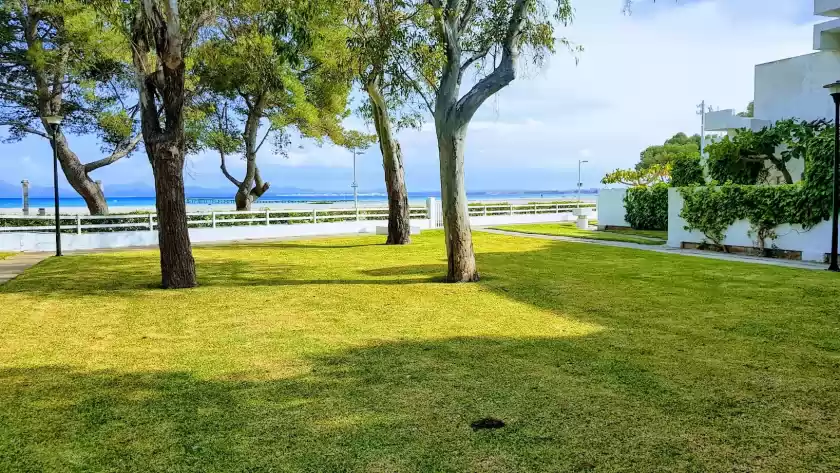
{"x":252,"y":186}
{"x":79,"y":179}
{"x":399,"y":217}
{"x":177,"y":265}
{"x":165,"y":145}
{"x":456,"y":220}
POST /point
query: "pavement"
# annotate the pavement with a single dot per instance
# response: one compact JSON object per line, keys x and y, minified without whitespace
{"x":669,"y":250}
{"x":15,"y":265}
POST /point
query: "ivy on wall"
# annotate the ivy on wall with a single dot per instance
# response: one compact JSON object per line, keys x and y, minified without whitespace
{"x":712,"y":209}
{"x":647,"y":207}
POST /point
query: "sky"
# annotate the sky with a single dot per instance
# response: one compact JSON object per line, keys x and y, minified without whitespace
{"x":637,"y":82}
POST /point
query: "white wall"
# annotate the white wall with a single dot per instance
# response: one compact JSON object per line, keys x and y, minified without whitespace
{"x":611,"y":209}
{"x":793,"y":88}
{"x":813,"y":244}
{"x":89,"y":241}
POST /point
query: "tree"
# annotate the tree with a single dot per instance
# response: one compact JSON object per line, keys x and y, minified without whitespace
{"x":162,"y":33}
{"x":58,"y":58}
{"x":677,"y":147}
{"x":687,"y":171}
{"x":657,"y":173}
{"x":725,"y":164}
{"x":257,"y":65}
{"x":486,"y":37}
{"x":749,"y":112}
{"x":381,"y":43}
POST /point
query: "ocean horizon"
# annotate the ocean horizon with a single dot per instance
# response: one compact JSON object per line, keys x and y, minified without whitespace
{"x":415,"y":197}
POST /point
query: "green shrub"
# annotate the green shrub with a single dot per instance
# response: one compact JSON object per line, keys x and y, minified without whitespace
{"x":725,"y":164}
{"x":647,"y":207}
{"x":687,"y":171}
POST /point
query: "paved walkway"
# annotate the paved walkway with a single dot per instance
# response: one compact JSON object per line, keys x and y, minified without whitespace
{"x":673,"y":251}
{"x":13,"y":266}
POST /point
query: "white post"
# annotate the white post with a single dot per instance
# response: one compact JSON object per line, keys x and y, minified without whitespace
{"x":511,"y":209}
{"x":430,"y":212}
{"x":78,"y":225}
{"x":580,"y":184}
{"x":213,"y":219}
{"x":535,"y":209}
{"x":314,"y":216}
{"x":267,"y":219}
{"x":151,"y":222}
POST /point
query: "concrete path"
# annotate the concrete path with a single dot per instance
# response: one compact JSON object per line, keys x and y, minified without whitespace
{"x":665,"y":249}
{"x":13,"y":266}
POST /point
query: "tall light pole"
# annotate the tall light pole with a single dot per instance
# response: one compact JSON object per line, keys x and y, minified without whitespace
{"x":834,"y":89}
{"x":55,"y":125}
{"x":702,"y":112}
{"x":580,"y":184}
{"x":355,"y":187}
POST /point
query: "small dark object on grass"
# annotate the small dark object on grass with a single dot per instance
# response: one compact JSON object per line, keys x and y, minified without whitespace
{"x":487,"y":423}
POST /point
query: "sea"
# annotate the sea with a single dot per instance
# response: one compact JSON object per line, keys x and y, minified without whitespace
{"x":302,"y":198}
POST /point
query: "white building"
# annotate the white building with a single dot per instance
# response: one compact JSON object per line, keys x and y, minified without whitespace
{"x":793,"y":87}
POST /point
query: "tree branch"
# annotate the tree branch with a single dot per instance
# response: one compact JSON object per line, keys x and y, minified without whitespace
{"x":413,"y":83}
{"x":503,"y":74}
{"x":116,"y":155}
{"x":262,"y":142}
{"x":226,"y":173}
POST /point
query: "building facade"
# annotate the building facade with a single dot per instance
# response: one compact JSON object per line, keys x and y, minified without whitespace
{"x":793,"y":87}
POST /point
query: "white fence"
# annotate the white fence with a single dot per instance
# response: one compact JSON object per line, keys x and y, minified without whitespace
{"x":81,"y":232}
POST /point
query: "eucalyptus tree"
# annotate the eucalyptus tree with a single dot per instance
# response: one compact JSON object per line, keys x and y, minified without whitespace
{"x":485,"y":38}
{"x":59,"y":58}
{"x":262,"y":72}
{"x":381,"y":43}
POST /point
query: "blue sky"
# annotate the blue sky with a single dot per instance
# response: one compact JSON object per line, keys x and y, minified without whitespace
{"x":637,"y":83}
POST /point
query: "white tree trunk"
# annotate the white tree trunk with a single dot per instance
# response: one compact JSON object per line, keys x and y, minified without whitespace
{"x":456,"y":220}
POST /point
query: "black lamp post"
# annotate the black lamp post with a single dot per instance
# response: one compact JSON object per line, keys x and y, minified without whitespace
{"x":835,"y":211}
{"x":55,"y":124}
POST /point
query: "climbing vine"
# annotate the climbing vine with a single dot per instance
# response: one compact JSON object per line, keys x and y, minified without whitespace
{"x":712,"y":209}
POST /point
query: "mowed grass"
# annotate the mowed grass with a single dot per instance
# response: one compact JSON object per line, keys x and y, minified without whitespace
{"x":5,"y":255}
{"x":570,"y":230}
{"x":347,"y":355}
{"x":660,"y":234}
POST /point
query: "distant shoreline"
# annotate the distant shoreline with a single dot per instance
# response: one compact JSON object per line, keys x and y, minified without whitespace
{"x":75,"y":205}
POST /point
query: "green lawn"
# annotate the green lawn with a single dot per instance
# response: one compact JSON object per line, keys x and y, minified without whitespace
{"x":5,"y":255}
{"x":570,"y":230}
{"x":660,"y":234}
{"x":346,"y":355}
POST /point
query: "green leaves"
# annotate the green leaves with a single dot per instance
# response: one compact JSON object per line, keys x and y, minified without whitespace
{"x":635,"y":178}
{"x":647,"y":207}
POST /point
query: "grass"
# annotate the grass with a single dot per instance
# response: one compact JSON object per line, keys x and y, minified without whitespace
{"x":570,"y":230}
{"x":5,"y":255}
{"x":660,"y":234}
{"x":346,"y":355}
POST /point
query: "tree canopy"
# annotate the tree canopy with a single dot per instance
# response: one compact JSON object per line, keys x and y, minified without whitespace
{"x":679,"y":146}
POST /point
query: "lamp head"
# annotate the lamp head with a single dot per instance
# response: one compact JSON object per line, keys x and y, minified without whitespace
{"x":833,"y":88}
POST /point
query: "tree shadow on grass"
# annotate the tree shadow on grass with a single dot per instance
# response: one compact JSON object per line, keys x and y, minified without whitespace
{"x":575,"y":404}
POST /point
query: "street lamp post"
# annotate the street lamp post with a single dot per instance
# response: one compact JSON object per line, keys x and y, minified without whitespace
{"x":834,"y":89}
{"x":355,"y":187}
{"x":580,"y":184}
{"x":55,"y":124}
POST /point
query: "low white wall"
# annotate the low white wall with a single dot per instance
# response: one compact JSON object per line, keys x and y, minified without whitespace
{"x":90,"y":241}
{"x":525,"y":218}
{"x":611,"y":211}
{"x":813,"y":244}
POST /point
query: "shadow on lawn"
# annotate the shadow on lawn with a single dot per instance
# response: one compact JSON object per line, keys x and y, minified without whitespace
{"x":569,"y":404}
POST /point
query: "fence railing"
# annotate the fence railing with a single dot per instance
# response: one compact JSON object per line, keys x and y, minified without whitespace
{"x":148,"y":221}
